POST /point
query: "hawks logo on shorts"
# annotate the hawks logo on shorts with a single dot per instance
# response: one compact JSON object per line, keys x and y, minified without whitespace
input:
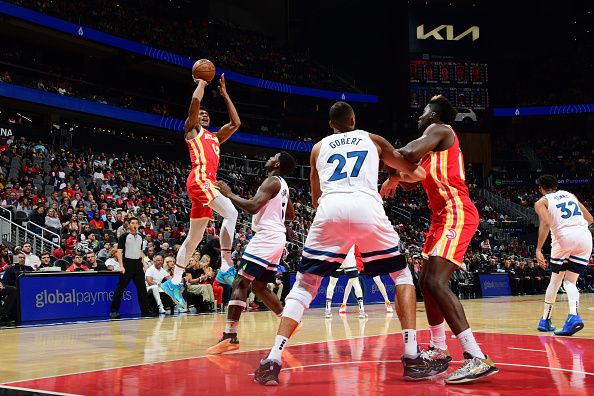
{"x":204,"y":153}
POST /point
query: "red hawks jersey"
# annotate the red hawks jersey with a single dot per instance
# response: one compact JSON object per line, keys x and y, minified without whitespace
{"x":445,"y":182}
{"x":204,"y":153}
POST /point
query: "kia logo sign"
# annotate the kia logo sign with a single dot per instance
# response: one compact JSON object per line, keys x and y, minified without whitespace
{"x":438,"y":32}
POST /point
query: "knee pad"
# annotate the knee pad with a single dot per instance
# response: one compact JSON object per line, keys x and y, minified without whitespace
{"x":305,"y":288}
{"x":402,"y":277}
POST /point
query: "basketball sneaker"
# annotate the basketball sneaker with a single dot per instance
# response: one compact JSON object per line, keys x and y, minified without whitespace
{"x":226,"y":277}
{"x":572,"y":325}
{"x":545,"y":325}
{"x":342,"y":309}
{"x":389,"y":308}
{"x":472,"y":369}
{"x":362,"y":314}
{"x":328,"y":313}
{"x":439,"y":357}
{"x":267,"y":373}
{"x":419,"y":368}
{"x":227,"y":343}
{"x":175,"y":292}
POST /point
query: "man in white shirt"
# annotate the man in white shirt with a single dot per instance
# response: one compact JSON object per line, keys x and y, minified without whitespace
{"x":156,"y":274}
{"x":30,"y":259}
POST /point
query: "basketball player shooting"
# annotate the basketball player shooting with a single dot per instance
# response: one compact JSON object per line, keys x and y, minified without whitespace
{"x":201,"y":185}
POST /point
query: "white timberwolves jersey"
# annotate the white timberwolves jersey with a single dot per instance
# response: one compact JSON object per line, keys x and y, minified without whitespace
{"x":565,"y":213}
{"x":272,"y":216}
{"x":348,"y":162}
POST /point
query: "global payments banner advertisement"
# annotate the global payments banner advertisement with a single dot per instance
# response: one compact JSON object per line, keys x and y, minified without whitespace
{"x":71,"y":296}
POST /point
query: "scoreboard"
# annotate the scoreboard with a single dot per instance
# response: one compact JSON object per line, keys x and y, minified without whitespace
{"x":463,"y":83}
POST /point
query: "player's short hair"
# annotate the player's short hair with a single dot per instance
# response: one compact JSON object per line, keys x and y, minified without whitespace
{"x":202,"y":108}
{"x":548,"y":182}
{"x":287,"y":163}
{"x":444,"y":109}
{"x":340,"y":112}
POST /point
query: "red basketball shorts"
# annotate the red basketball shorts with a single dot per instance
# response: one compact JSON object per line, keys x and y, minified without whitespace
{"x":451,"y":232}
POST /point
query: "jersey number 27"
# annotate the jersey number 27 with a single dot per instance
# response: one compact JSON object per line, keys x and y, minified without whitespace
{"x":338,"y":173}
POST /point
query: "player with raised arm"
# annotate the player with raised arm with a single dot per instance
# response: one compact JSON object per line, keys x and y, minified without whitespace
{"x":201,"y":185}
{"x":344,"y":173}
{"x":454,"y":221}
{"x":561,"y":213}
{"x":270,"y":207}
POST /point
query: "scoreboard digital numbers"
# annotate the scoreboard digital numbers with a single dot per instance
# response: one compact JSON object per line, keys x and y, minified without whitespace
{"x":463,"y":83}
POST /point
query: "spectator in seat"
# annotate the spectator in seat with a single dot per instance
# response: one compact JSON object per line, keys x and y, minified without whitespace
{"x":112,"y":262}
{"x":8,"y":303}
{"x":149,"y":258}
{"x":61,"y":251}
{"x":77,"y":263}
{"x":155,"y":275}
{"x":11,"y":202}
{"x":38,"y":218}
{"x":105,"y":252}
{"x":97,"y":223}
{"x":71,"y":224}
{"x":93,"y":264}
{"x":45,"y":262}
{"x":210,"y":279}
{"x":5,"y":259}
{"x":195,"y":282}
{"x":486,"y":246}
{"x":13,"y":272}
{"x":31,"y":259}
{"x":52,"y":221}
{"x":25,"y":206}
{"x":169,"y":265}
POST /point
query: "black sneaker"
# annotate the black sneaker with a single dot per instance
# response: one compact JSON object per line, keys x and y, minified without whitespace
{"x":267,"y":373}
{"x":438,"y":357}
{"x":227,"y":343}
{"x":421,"y":368}
{"x":114,"y":315}
{"x":149,"y":314}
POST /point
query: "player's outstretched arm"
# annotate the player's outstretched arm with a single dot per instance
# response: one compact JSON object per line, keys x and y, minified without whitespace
{"x":268,"y":190}
{"x":436,"y":137}
{"x":408,"y":171}
{"x":543,"y":229}
{"x":192,"y":124}
{"x":586,"y":212}
{"x":314,"y":178}
{"x":234,"y":122}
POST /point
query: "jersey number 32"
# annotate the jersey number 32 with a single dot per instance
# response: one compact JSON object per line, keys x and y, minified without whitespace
{"x":567,"y":213}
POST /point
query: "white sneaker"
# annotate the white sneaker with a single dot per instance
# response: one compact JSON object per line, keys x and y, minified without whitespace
{"x":389,"y":308}
{"x":162,"y":310}
{"x":362,"y":314}
{"x":328,"y":314}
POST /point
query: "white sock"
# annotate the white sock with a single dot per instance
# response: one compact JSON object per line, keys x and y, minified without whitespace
{"x":177,"y":275}
{"x":438,"y":336}
{"x":276,"y":353}
{"x":469,"y":344}
{"x":548,"y":311}
{"x":328,"y":304}
{"x":573,"y":297}
{"x":231,"y":326}
{"x":382,"y":288}
{"x":410,"y":342}
{"x":360,"y":302}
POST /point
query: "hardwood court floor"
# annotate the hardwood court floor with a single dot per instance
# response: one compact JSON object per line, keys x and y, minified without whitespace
{"x":342,"y":355}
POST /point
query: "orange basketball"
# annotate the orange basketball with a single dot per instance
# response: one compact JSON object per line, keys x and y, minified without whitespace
{"x":204,"y":70}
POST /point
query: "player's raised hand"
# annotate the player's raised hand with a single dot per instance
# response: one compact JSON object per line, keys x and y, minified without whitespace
{"x":224,"y":188}
{"x":222,"y":87}
{"x":540,"y":258}
{"x":389,"y":187}
{"x":199,"y":81}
